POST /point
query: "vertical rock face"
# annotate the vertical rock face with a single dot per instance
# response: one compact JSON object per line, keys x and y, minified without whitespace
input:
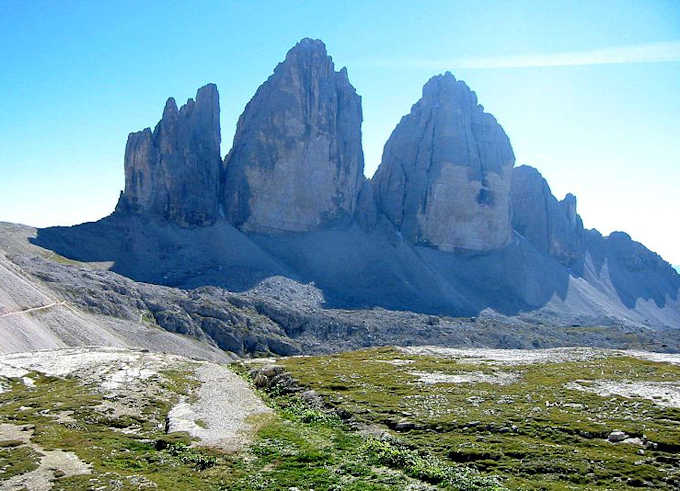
{"x":552,"y":226}
{"x":174,"y":171}
{"x":296,"y":162}
{"x":446,"y":171}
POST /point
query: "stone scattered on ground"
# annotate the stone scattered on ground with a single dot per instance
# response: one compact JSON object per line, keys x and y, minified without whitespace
{"x":617,"y":436}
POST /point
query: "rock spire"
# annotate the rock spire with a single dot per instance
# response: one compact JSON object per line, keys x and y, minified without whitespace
{"x":297,"y":162}
{"x":445,"y":174}
{"x":173,"y":172}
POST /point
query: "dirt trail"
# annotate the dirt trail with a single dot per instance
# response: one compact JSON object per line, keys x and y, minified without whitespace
{"x":33,"y":309}
{"x":224,"y":407}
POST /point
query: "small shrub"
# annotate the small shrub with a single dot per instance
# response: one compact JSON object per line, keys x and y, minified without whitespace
{"x":299,"y":410}
{"x":427,"y":467}
{"x":187,"y":455}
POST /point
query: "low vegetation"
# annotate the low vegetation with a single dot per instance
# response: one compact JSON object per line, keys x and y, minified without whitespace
{"x":374,"y":421}
{"x":535,"y":432}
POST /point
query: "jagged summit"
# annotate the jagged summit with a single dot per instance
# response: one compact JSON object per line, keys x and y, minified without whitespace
{"x":444,"y":179}
{"x":553,"y":227}
{"x":297,"y":163}
{"x":307,"y":47}
{"x":173,"y":172}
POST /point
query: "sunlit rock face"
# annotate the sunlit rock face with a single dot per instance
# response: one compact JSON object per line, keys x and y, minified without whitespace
{"x":297,"y":163}
{"x":552,"y":226}
{"x":174,"y":171}
{"x":445,"y":175}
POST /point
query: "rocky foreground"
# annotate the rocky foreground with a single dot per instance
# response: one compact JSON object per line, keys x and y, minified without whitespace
{"x":381,"y":418}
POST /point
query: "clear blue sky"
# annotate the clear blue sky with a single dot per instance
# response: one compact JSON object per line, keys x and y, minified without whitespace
{"x":589,"y":92}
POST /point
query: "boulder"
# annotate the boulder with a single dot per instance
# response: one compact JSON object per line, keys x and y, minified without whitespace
{"x":445,"y":175}
{"x":173,"y":172}
{"x":617,"y":436}
{"x":297,"y":163}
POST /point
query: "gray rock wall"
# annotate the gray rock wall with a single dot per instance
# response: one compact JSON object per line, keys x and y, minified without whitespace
{"x":445,"y":175}
{"x":297,"y":162}
{"x":174,"y":171}
{"x":552,"y":226}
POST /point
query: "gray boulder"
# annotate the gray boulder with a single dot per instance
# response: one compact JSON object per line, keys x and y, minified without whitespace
{"x":445,"y":175}
{"x":297,"y":163}
{"x":173,"y":172}
{"x":553,"y":227}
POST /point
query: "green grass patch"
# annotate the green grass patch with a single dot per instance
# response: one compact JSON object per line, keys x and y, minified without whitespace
{"x":126,"y":460}
{"x":15,"y":461}
{"x":535,"y":433}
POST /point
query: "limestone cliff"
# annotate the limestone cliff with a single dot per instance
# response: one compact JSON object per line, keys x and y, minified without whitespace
{"x":552,"y":226}
{"x":445,"y":175}
{"x":173,"y":172}
{"x":297,"y":163}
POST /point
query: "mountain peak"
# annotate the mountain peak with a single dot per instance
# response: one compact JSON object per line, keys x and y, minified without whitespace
{"x":309,"y":44}
{"x":174,"y":172}
{"x":444,"y":179}
{"x":297,"y":162}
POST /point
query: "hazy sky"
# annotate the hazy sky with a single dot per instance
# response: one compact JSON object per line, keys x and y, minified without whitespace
{"x":589,"y":92}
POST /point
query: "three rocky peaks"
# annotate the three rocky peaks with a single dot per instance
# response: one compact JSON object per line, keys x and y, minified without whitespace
{"x":296,"y":163}
{"x":447,"y":178}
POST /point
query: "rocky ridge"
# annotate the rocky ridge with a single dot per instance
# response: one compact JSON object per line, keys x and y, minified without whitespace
{"x":86,"y":304}
{"x":552,"y":226}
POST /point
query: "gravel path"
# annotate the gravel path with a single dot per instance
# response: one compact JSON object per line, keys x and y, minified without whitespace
{"x":222,"y":416}
{"x":32,"y":309}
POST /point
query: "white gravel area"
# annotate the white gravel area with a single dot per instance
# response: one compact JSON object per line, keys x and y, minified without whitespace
{"x":666,"y":394}
{"x":224,"y":404}
{"x":108,"y":369}
{"x":508,"y":356}
{"x":527,"y":357}
{"x":672,"y":358}
{"x":222,"y":416}
{"x":500,"y":378}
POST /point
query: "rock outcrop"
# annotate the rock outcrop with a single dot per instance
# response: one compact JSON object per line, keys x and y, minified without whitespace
{"x":636,"y":273}
{"x":297,"y":162}
{"x":290,"y":200}
{"x":553,"y":227}
{"x":173,"y":172}
{"x":445,"y":175}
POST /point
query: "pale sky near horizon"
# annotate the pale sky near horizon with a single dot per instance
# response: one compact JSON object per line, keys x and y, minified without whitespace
{"x":589,"y":92}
